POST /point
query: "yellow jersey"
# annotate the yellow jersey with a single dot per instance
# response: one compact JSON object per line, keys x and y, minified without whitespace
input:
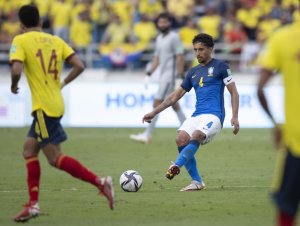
{"x":42,"y":55}
{"x":283,"y":56}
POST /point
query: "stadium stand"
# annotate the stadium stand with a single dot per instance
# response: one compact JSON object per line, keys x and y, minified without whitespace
{"x":120,"y":34}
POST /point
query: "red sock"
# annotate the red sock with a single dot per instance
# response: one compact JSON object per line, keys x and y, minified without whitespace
{"x":285,"y":220}
{"x":76,"y":169}
{"x":33,"y":178}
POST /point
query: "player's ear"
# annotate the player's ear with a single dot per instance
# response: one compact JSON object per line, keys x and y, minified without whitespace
{"x":41,"y":23}
{"x":22,"y":27}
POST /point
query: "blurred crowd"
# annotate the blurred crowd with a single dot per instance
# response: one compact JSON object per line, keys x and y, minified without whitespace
{"x":126,"y":27}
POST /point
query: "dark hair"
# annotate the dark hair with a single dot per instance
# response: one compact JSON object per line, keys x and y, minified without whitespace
{"x":29,"y":16}
{"x":205,"y":39}
{"x":164,"y":15}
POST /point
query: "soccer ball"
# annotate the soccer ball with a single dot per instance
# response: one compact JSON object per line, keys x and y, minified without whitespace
{"x":131,"y":181}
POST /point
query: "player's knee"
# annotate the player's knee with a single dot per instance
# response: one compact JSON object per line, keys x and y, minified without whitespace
{"x":28,"y":154}
{"x":199,"y":136}
{"x":182,"y":140}
{"x":52,"y":161}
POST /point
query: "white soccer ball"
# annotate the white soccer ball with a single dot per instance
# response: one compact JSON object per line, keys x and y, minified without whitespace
{"x":131,"y":181}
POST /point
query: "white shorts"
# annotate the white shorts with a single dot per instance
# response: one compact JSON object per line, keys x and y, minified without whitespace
{"x":209,"y":124}
{"x":165,"y":88}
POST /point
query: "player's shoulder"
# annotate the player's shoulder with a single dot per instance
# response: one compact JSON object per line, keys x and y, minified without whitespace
{"x":173,"y":35}
{"x":219,"y":63}
{"x":284,"y":33}
{"x":193,"y":70}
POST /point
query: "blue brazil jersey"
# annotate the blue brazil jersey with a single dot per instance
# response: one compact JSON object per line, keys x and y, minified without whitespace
{"x":209,"y":87}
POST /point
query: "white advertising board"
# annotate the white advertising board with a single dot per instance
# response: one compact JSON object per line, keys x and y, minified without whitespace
{"x":123,"y":105}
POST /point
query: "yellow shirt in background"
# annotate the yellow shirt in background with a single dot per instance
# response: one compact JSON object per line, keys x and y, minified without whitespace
{"x":42,"y":55}
{"x":210,"y":24}
{"x":61,"y":12}
{"x":285,"y":58}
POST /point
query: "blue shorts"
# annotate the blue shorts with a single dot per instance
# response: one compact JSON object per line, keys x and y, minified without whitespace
{"x":287,"y":197}
{"x":46,"y":129}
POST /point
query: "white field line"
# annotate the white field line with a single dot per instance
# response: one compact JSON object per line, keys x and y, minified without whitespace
{"x":224,"y":187}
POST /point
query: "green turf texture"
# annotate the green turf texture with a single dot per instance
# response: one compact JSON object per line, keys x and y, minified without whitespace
{"x":237,"y":170}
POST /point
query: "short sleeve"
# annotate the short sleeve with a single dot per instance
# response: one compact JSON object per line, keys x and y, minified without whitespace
{"x":67,"y":51}
{"x":187,"y":82}
{"x":16,"y":52}
{"x":225,"y":70}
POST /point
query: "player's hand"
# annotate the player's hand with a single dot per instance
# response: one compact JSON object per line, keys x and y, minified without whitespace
{"x":14,"y":89}
{"x":236,"y":125}
{"x":148,"y":117}
{"x":277,"y":136}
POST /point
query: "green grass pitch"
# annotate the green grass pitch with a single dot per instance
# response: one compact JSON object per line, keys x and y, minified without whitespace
{"x":237,"y":170}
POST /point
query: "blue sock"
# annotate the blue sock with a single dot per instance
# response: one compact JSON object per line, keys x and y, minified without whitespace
{"x":191,"y":167}
{"x":187,"y":153}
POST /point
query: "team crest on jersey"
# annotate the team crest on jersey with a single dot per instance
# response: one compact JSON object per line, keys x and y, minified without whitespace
{"x":13,"y":49}
{"x":210,"y":71}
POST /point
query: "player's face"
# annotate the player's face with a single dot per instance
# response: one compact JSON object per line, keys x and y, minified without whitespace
{"x":163,"y":25}
{"x":202,"y":52}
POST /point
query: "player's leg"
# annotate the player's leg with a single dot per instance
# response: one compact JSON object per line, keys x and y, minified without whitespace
{"x":146,"y":136}
{"x":30,"y":154}
{"x":182,"y":140}
{"x":78,"y":170}
{"x":286,"y":188}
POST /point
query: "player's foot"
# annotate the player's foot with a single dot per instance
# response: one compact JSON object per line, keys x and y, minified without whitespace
{"x":30,"y":210}
{"x":141,"y":137}
{"x":172,"y":171}
{"x":106,"y":189}
{"x":194,"y":186}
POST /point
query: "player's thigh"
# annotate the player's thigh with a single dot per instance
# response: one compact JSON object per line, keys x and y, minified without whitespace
{"x":209,"y":125}
{"x":164,"y":89}
{"x":287,"y":182}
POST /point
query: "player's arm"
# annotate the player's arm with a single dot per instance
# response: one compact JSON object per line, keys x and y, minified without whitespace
{"x":169,"y":101}
{"x":180,"y":65}
{"x":77,"y":68}
{"x":235,"y":106}
{"x":154,"y":65}
{"x":265,"y":75}
{"x":16,"y":71}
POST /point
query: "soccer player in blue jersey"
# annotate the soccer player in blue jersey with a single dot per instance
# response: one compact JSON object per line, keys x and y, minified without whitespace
{"x":208,"y":79}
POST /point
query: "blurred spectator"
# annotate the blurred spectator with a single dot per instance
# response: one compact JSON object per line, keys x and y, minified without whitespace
{"x":234,"y":36}
{"x":116,"y":43}
{"x":60,"y":18}
{"x":187,"y":33}
{"x":210,"y":23}
{"x":124,"y":10}
{"x":144,"y":32}
{"x":117,"y":32}
{"x":100,"y":13}
{"x":10,"y":27}
{"x":150,"y":8}
{"x":249,"y":16}
{"x":81,"y":31}
{"x":180,"y":10}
